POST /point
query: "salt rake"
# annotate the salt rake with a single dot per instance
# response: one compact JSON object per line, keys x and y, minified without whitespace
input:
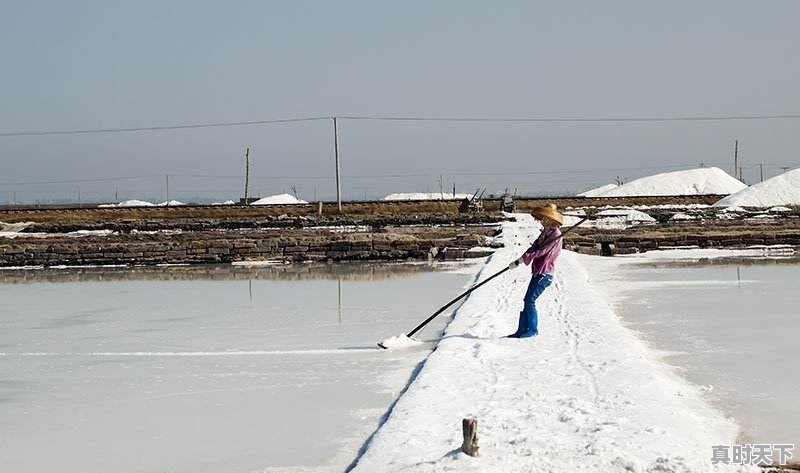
{"x":468,"y":291}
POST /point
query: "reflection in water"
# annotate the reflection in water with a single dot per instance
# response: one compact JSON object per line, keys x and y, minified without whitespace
{"x":728,"y":325}
{"x":283,"y":272}
{"x":118,"y":361}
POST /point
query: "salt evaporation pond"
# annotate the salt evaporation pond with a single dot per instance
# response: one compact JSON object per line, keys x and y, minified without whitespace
{"x":205,"y":369}
{"x":729,"y":325}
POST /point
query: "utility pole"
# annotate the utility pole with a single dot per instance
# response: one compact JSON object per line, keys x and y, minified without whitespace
{"x":736,"y":160}
{"x":336,"y":151}
{"x":441,"y":187}
{"x":761,"y":167}
{"x":741,"y":175}
{"x":116,"y":194}
{"x":246,"y":173}
{"x":167,"y":190}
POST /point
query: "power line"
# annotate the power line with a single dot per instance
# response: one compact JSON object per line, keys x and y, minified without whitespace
{"x":159,"y":128}
{"x":576,"y":119}
{"x":707,"y":118}
{"x":77,"y":181}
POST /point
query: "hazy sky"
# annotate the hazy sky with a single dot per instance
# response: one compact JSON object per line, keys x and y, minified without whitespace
{"x":107,"y":64}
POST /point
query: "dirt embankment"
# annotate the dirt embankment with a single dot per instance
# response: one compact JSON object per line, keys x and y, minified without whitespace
{"x":66,"y":214}
{"x":207,"y":241}
{"x":720,"y":233}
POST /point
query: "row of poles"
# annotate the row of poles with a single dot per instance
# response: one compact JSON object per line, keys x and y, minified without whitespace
{"x":738,"y":170}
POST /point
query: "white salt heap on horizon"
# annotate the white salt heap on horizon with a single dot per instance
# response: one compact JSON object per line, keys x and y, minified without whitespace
{"x":130,"y":203}
{"x":597,"y":191}
{"x":426,"y":196}
{"x":688,"y":182}
{"x":171,"y":203}
{"x":279,"y":199}
{"x":781,"y":190}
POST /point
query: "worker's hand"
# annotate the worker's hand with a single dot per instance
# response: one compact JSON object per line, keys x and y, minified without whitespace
{"x":515,"y":263}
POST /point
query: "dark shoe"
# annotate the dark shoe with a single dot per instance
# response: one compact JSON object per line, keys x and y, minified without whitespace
{"x":528,"y":334}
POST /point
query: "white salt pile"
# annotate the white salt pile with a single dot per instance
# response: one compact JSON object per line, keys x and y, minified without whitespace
{"x":620,"y":218}
{"x":783,"y":189}
{"x":13,"y":230}
{"x":15,"y":227}
{"x":597,"y":191}
{"x":279,"y":199}
{"x":426,"y":196}
{"x":400,"y":341}
{"x":171,"y":203}
{"x":689,"y":182}
{"x":130,"y":203}
{"x":227,"y":202}
{"x":733,"y":208}
{"x":683,"y":216}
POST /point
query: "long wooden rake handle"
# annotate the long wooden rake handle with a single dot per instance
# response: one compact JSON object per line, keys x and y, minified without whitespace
{"x":468,"y":291}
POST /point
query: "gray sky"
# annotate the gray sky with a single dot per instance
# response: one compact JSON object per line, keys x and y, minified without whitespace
{"x":107,"y":64}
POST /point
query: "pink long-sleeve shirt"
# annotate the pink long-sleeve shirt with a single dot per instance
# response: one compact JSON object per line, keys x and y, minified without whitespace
{"x":543,"y":259}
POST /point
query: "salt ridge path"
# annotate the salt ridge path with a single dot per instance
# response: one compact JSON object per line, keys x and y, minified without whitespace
{"x":585,"y":395}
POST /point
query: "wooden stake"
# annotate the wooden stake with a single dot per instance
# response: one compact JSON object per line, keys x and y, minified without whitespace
{"x":469,"y":427}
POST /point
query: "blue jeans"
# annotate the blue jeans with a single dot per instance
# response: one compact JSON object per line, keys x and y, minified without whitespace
{"x":529,"y":318}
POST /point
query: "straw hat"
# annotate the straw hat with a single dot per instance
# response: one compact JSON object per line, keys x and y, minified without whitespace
{"x":548,"y":211}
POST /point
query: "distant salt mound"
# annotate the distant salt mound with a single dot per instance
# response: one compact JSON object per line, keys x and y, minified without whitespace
{"x":781,"y":190}
{"x":227,"y":202}
{"x":130,"y":203}
{"x":426,"y":196}
{"x":279,"y":199}
{"x":171,"y":203}
{"x":135,"y":203}
{"x":616,"y":219}
{"x":597,"y":191}
{"x":689,"y":182}
{"x":780,"y":208}
{"x":683,"y":216}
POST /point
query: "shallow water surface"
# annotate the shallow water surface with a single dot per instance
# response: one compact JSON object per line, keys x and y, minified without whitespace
{"x":730,"y":326}
{"x":205,"y":369}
